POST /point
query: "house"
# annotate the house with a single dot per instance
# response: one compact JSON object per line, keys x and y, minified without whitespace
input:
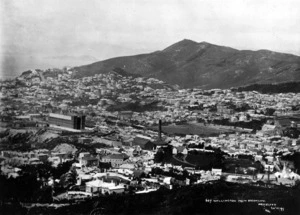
{"x":55,"y":160}
{"x":33,"y":161}
{"x":221,"y":108}
{"x":160,"y":143}
{"x":258,"y":157}
{"x":286,"y":176}
{"x":62,"y":155}
{"x":125,"y":115}
{"x":271,"y":130}
{"x":130,"y":166}
{"x":115,"y":159}
{"x":268,"y":147}
{"x":167,"y":180}
{"x":137,"y":151}
{"x":110,"y":142}
{"x":83,"y":154}
{"x":269,"y":167}
{"x":84,"y":140}
{"x":270,"y":159}
{"x":42,"y":157}
{"x":217,"y":172}
{"x":89,"y":161}
{"x":99,"y":186}
{"x":144,"y":143}
{"x":243,"y":145}
{"x":179,"y":149}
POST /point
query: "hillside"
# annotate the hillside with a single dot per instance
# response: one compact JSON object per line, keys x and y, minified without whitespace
{"x":211,"y":198}
{"x":204,"y":65}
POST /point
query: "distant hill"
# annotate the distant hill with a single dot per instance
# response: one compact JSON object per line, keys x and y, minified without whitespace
{"x":204,"y":65}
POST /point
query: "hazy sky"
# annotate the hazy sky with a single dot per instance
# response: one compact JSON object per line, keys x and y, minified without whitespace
{"x":38,"y":31}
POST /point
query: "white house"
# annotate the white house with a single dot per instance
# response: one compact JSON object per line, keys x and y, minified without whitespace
{"x":217,"y":172}
{"x":98,"y":186}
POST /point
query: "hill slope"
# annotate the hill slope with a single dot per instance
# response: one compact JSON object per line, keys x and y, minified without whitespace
{"x":204,"y":65}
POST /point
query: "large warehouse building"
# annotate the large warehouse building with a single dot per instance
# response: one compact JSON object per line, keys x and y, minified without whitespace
{"x":74,"y":122}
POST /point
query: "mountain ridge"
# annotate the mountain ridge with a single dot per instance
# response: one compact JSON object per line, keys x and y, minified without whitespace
{"x":204,"y":65}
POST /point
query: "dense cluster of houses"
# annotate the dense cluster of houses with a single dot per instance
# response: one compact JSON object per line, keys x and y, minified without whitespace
{"x":93,"y":95}
{"x":130,"y":148}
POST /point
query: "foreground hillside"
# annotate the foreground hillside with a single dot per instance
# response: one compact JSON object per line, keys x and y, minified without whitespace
{"x":214,"y":198}
{"x":191,"y":64}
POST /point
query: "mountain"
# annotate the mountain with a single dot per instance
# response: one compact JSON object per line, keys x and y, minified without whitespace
{"x":204,"y":65}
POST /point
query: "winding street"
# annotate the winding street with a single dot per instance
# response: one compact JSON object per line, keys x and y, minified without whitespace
{"x":183,"y":161}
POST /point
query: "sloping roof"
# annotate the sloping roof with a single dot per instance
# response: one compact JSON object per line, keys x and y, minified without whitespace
{"x":180,"y":148}
{"x":99,"y":183}
{"x":160,"y":142}
{"x":89,"y":158}
{"x":267,"y":127}
{"x":140,"y":141}
{"x":138,"y":173}
{"x":60,"y":116}
{"x":116,"y":156}
{"x":128,"y":166}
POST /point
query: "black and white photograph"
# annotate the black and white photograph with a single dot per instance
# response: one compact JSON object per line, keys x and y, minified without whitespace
{"x":141,"y":107}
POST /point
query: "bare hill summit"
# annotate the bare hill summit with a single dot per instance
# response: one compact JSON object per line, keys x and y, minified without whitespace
{"x":204,"y":65}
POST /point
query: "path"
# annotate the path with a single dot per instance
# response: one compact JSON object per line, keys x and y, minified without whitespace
{"x":183,"y":161}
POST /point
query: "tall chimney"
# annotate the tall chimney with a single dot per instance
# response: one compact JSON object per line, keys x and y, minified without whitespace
{"x":268,"y":174}
{"x":159,"y":129}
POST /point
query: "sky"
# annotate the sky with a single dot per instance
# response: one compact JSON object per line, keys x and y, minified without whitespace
{"x":56,"y":33}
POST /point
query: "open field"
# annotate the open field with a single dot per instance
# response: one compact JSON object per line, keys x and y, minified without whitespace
{"x":203,"y":160}
{"x":285,"y":121}
{"x":195,"y":129}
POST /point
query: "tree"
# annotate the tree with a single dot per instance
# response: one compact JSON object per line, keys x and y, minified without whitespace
{"x":69,"y":178}
{"x":291,"y":132}
{"x":180,"y":156}
{"x":61,"y":169}
{"x":269,"y":111}
{"x":159,"y":156}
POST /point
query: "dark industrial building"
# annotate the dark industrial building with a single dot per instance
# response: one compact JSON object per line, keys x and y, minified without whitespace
{"x":74,"y":122}
{"x":144,"y":143}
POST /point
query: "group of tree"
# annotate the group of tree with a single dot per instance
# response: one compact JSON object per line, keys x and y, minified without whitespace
{"x":32,"y":183}
{"x":291,"y":132}
{"x":163,"y":155}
